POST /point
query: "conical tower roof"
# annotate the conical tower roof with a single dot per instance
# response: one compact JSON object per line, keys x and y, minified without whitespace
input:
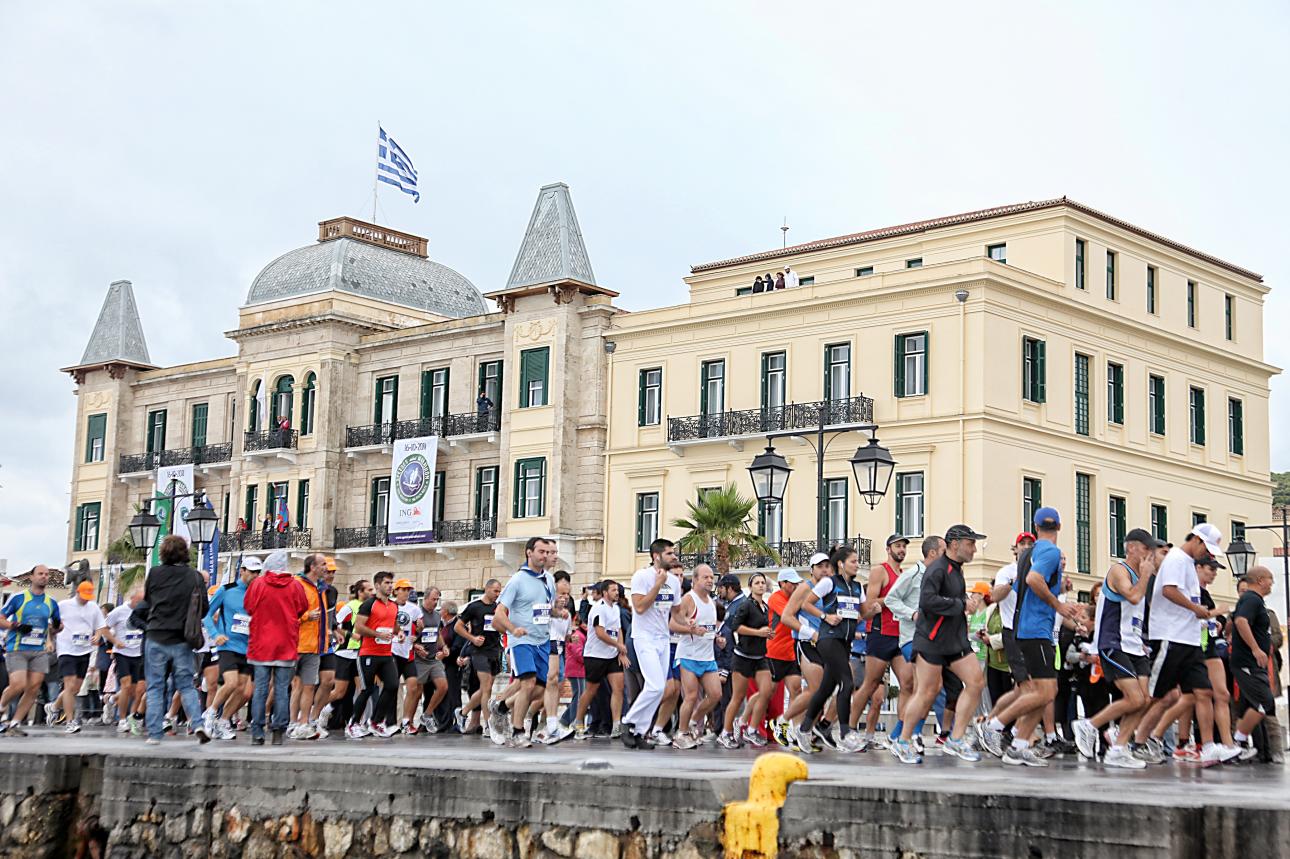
{"x":118,"y":334}
{"x":552,"y":250}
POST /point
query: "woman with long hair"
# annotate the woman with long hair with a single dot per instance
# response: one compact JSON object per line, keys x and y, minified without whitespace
{"x":836,"y":600}
{"x":751,"y":625}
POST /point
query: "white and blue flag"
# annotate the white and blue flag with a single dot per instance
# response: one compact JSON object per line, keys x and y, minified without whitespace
{"x":394,"y":167}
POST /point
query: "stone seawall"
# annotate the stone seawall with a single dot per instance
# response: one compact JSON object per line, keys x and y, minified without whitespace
{"x":246,"y":806}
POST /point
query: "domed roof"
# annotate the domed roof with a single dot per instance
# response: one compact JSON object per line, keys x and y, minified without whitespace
{"x":359,"y":268}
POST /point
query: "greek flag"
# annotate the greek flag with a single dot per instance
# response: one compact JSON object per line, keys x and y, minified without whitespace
{"x":394,"y":167}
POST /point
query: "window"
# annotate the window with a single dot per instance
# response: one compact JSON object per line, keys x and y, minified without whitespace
{"x":1115,"y":525}
{"x":530,"y":488}
{"x":226,"y":497}
{"x":486,"y":492}
{"x":253,"y":408}
{"x":95,"y":437}
{"x":1032,"y":498}
{"x":909,"y":504}
{"x":1079,"y":264}
{"x":916,"y":262}
{"x":1083,"y":524}
{"x":434,"y":393}
{"x":1197,"y":402}
{"x":646,"y":520}
{"x":1033,"y":370}
{"x":440,"y":478}
{"x":302,"y":504}
{"x":1160,"y":522}
{"x":534,"y":364}
{"x":1229,"y":307}
{"x":380,"y":512}
{"x":998,"y":253}
{"x":712,"y":387}
{"x":87,"y":528}
{"x":1115,"y":393}
{"x":835,"y":510}
{"x":837,"y":371}
{"x":386,"y":409}
{"x":1198,"y":518}
{"x":308,"y":398}
{"x":252,"y":505}
{"x":282,"y":402}
{"x":156,"y":431}
{"x":1235,"y":427}
{"x":1151,"y":289}
{"x":911,"y":364}
{"x":774,"y":384}
{"x":1238,"y":530}
{"x":649,"y":406}
{"x":1156,"y":404}
{"x":278,"y":504}
{"x":806,"y":281}
{"x":743,"y":290}
{"x":1191,"y":304}
{"x":770,"y":522}
{"x":864,"y":271}
{"x":490,"y":380}
{"x":199,"y":424}
{"x":1081,"y":394}
{"x":1110,"y":275}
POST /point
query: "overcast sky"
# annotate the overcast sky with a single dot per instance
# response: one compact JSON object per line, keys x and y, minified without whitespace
{"x":184,"y":146}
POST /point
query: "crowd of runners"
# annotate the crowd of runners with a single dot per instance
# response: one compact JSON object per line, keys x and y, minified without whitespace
{"x":908,"y":659}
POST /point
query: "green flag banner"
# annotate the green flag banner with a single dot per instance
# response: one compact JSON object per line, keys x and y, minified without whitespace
{"x":160,"y":509}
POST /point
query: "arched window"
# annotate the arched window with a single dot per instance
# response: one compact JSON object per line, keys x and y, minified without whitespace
{"x":282,"y":399}
{"x":253,"y":411}
{"x":307,"y":404}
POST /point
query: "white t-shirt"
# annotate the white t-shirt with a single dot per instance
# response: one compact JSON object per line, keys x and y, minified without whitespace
{"x":608,"y":618}
{"x":652,"y":625}
{"x":131,"y":639}
{"x":80,"y":622}
{"x":1169,"y":621}
{"x":1007,"y":605}
{"x":408,"y":614}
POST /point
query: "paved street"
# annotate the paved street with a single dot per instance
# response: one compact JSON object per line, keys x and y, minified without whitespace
{"x":1262,"y":786}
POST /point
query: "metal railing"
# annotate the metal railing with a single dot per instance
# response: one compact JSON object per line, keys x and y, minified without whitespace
{"x":444,"y":426}
{"x":138,"y":463}
{"x":206,"y":454}
{"x":852,"y":410}
{"x":265,"y":541}
{"x":792,"y":553}
{"x":448,"y":531}
{"x":274,"y":439}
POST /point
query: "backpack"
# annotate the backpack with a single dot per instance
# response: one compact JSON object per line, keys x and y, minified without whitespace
{"x":194,"y":635}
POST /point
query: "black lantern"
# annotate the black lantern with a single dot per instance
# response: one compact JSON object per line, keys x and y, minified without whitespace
{"x":873,"y":466}
{"x":1240,"y":555}
{"x":770,"y":473}
{"x":143,"y":529}
{"x":201,"y":521}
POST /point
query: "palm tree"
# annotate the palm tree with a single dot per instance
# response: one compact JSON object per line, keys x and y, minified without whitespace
{"x":123,"y":551}
{"x":721,"y":518}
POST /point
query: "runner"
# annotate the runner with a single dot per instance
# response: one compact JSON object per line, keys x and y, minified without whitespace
{"x":558,"y":630}
{"x":327,"y":664}
{"x":750,"y":622}
{"x":475,"y":626}
{"x":780,"y":650}
{"x":672,"y":689}
{"x":1121,"y":651}
{"x":407,"y":617}
{"x":83,"y":628}
{"x":882,"y":644}
{"x":524,"y":614}
{"x":346,"y":655}
{"x":695,"y":619}
{"x":1005,"y":598}
{"x":127,"y":654}
{"x":1211,"y":634}
{"x":31,"y":618}
{"x":839,"y":600}
{"x":604,"y":657}
{"x":228,"y":623}
{"x":654,"y":592}
{"x":276,"y":602}
{"x":315,"y":640}
{"x":902,"y":601}
{"x":377,"y":625}
{"x":430,"y":651}
{"x":806,"y":626}
{"x":1251,"y":643}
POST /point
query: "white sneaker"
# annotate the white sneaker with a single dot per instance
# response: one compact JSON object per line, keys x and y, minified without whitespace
{"x":123,"y":726}
{"x":660,"y":737}
{"x":354,"y":731}
{"x":1119,"y":756}
{"x":74,"y":727}
{"x":1228,"y":753}
{"x":1112,"y":733}
{"x":1085,"y":737}
{"x":852,"y":742}
{"x":383,"y":731}
{"x":224,"y":730}
{"x":1211,"y":754}
{"x":51,"y":713}
{"x":320,"y":733}
{"x":562,"y":732}
{"x":324,"y":715}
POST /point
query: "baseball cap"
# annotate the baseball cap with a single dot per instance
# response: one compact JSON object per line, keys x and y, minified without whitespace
{"x":818,"y":558}
{"x":331,"y":563}
{"x":403,"y":583}
{"x":1212,"y":536}
{"x":85,"y":590}
{"x":1024,"y":535}
{"x":962,"y":532}
{"x":788,"y":574}
{"x":729,"y":581}
{"x":277,"y":562}
{"x":1047,"y":517}
{"x":251,"y":562}
{"x":1145,"y":537}
{"x":1210,"y":561}
{"x":897,"y":538}
{"x":982,"y":588}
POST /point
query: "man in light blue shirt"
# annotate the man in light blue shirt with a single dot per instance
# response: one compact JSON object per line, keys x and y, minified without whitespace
{"x":523,"y":614}
{"x":228,"y":624}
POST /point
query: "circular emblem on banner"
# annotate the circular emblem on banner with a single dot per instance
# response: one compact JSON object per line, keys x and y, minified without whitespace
{"x":412,"y":482}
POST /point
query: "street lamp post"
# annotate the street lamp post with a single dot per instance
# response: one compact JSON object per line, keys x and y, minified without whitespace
{"x":1242,"y":554}
{"x":200,"y":520}
{"x":872,"y":465}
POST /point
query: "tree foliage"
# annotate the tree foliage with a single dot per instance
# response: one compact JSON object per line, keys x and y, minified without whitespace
{"x":722,"y":518}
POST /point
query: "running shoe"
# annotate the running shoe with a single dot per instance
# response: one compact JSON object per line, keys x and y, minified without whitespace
{"x":992,"y":740}
{"x":136,"y":725}
{"x":825,"y":737}
{"x":1085,"y":737}
{"x":918,"y":744}
{"x":354,"y":731}
{"x":106,"y":719}
{"x":429,"y":722}
{"x":123,"y":726}
{"x":1043,"y":750}
{"x":1217,"y":754}
{"x":383,"y":731}
{"x":51,"y":714}
{"x":320,"y":733}
{"x":520,"y":741}
{"x":203,"y":736}
{"x":780,"y":734}
{"x":728,"y":740}
{"x":1016,"y":757}
{"x":15,"y":730}
{"x":854,"y":742}
{"x":1143,"y":752}
{"x":684,"y":741}
{"x":459,"y":719}
{"x":1121,"y":757}
{"x":409,"y":727}
{"x":581,"y":733}
{"x":1229,"y":753}
{"x":73,"y":727}
{"x":324,"y":715}
{"x":1111,"y":733}
{"x":1157,"y":749}
{"x":499,"y":727}
{"x":878,"y":741}
{"x":307,"y":732}
{"x":906,"y":754}
{"x":616,"y":731}
{"x":1248,"y":753}
{"x":660,"y":737}
{"x":1190,"y":754}
{"x":562,"y":733}
{"x":962,"y":750}
{"x":224,"y":731}
{"x":802,"y":743}
{"x":754,"y":738}
{"x":1063,"y":746}
{"x":709,"y":737}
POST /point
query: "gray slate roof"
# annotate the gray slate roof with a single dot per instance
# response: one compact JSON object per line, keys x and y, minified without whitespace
{"x":552,"y":249}
{"x":118,"y":334}
{"x":346,"y":265}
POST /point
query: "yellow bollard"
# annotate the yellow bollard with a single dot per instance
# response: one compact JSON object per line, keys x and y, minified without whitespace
{"x":752,"y":827}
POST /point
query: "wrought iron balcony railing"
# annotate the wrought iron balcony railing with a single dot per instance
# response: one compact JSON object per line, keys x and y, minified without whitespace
{"x":792,"y":553}
{"x":449,"y":531}
{"x":445,"y":426}
{"x":137,"y":463}
{"x":206,"y":454}
{"x":274,"y":439}
{"x":793,"y":416}
{"x":264,"y":541}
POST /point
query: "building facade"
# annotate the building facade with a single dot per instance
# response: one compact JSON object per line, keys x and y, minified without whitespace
{"x":1043,"y":353}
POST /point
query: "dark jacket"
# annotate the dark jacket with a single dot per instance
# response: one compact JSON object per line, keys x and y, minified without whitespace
{"x":942,"y":626}
{"x":168,"y":592}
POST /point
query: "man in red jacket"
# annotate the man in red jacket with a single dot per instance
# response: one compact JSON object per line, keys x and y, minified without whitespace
{"x":276,"y":602}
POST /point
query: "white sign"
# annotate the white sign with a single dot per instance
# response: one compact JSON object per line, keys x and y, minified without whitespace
{"x":411,"y":512}
{"x":183,"y":477}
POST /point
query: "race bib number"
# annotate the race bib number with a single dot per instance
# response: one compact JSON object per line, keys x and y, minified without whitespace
{"x":488,"y":623}
{"x":848,"y":607}
{"x":430,"y":636}
{"x":80,"y":639}
{"x":708,"y":630}
{"x":541,"y":613}
{"x":132,"y":638}
{"x":1136,"y":623}
{"x":241,"y":624}
{"x":384,"y":634}
{"x":35,"y":638}
{"x":666,"y":598}
{"x":612,"y":633}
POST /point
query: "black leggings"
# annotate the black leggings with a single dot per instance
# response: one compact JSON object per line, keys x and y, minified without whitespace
{"x":836,"y":653}
{"x":378,"y":667}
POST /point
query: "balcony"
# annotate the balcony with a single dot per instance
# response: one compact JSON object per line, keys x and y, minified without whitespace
{"x":274,"y":443}
{"x":792,"y":553}
{"x":206,"y":457}
{"x":452,"y":429}
{"x":735,"y":428}
{"x":266,"y":541}
{"x":447,"y":535}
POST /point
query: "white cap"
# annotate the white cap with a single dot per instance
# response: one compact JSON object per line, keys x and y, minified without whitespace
{"x":817,"y":558}
{"x":788,"y":574}
{"x":1212,"y":536}
{"x":277,"y":563}
{"x":251,"y":562}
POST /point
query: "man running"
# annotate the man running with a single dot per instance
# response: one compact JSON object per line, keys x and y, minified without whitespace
{"x":407,"y":617}
{"x":524,"y":614}
{"x":315,"y":640}
{"x":604,"y":656}
{"x":781,"y":649}
{"x":1121,"y":651}
{"x":558,"y":632}
{"x":654,"y":592}
{"x":346,"y":656}
{"x":902,"y":601}
{"x":475,"y":626}
{"x":228,"y":623}
{"x":31,"y":618}
{"x":127,"y":653}
{"x":695,"y":619}
{"x":1005,"y":598}
{"x":430,"y":651}
{"x":377,"y":625}
{"x":84,"y":627}
{"x":1251,"y":643}
{"x":882,"y":644}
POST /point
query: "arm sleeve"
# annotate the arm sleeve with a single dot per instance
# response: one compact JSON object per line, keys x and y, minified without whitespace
{"x":930,"y":600}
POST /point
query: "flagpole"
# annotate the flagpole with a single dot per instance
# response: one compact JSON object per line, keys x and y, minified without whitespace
{"x":375,"y":173}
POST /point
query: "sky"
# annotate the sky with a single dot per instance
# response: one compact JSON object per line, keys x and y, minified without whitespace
{"x":184,"y":146}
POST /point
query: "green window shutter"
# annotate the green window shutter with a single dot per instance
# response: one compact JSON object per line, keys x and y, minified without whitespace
{"x":376,"y":402}
{"x":515,"y":483}
{"x":1041,"y":351}
{"x":703,"y":388}
{"x":640,"y":399}
{"x":96,"y":429}
{"x":765,"y":380}
{"x":80,"y":526}
{"x":640,"y":520}
{"x":372,"y":503}
{"x":427,"y":381}
{"x":440,"y":481}
{"x":394,"y":408}
{"x":927,"y":360}
{"x":534,"y":364}
{"x":900,"y":505}
{"x":900,"y":375}
{"x":542,"y":487}
{"x":543,"y":359}
{"x":1238,"y":440}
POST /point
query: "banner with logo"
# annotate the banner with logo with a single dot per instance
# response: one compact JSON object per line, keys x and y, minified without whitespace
{"x":182,"y":475}
{"x":411,"y":514}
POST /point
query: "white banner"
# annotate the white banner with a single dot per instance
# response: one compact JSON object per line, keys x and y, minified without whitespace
{"x":183,"y":477}
{"x":411,"y":515}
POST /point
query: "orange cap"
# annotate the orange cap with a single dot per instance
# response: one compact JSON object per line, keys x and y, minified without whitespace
{"x":981,"y":588}
{"x":85,"y":590}
{"x":331,"y":563}
{"x":403,"y":583}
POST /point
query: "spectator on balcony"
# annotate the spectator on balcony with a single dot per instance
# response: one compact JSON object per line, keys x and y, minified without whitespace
{"x":483,"y":408}
{"x":769,"y":280}
{"x":779,"y":280}
{"x":242,"y":526}
{"x":790,"y":278}
{"x":759,"y":285}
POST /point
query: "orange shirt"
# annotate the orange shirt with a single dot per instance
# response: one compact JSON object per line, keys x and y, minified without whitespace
{"x":780,"y":645}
